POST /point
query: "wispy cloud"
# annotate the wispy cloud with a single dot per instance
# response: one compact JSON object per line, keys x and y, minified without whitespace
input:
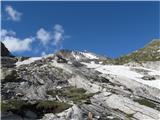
{"x":44,"y":36}
{"x":5,"y":32}
{"x":52,"y":37}
{"x":13,"y":14}
{"x":15,"y":44}
{"x":58,"y":34}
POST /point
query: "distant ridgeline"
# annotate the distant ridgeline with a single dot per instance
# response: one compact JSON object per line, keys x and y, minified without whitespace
{"x":150,"y":52}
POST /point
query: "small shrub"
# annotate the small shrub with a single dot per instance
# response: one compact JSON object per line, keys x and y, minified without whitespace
{"x":12,"y":105}
{"x":52,"y":106}
{"x":129,"y":115}
{"x":54,"y":92}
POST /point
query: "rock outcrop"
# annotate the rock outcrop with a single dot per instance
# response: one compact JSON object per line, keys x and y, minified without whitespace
{"x":4,"y":51}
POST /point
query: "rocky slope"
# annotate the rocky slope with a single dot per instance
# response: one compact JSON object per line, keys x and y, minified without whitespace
{"x":73,"y":85}
{"x":150,"y":52}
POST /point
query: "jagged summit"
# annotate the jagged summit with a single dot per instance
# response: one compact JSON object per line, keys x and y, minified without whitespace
{"x":80,"y":56}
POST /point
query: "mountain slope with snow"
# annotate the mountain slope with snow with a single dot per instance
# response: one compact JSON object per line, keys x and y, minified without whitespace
{"x":28,"y":61}
{"x":81,"y":56}
{"x":76,"y":85}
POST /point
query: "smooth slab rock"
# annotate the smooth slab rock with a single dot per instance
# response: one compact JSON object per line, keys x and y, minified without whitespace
{"x":73,"y":113}
{"x":81,"y":82}
{"x":127,"y":106}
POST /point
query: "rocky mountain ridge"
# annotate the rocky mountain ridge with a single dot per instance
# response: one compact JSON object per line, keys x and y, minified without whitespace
{"x":149,"y":52}
{"x":73,"y":85}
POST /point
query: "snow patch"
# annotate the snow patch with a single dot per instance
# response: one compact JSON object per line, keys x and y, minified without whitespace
{"x":28,"y":61}
{"x":75,"y":56}
{"x":125,"y":71}
{"x":92,"y":62}
{"x":89,"y":55}
{"x":100,"y":62}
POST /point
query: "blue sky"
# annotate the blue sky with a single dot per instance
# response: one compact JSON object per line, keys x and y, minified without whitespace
{"x":107,"y":28}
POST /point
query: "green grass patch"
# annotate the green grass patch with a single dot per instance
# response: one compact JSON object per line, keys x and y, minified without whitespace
{"x":52,"y":106}
{"x":75,"y":94}
{"x":129,"y":115}
{"x":145,"y":102}
{"x":39,"y":107}
{"x":12,"y":105}
{"x":147,"y":53}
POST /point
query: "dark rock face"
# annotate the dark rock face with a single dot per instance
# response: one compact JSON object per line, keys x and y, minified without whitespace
{"x":60,"y":59}
{"x":8,"y":62}
{"x":7,"y":59}
{"x":5,"y":51}
{"x":148,"y":77}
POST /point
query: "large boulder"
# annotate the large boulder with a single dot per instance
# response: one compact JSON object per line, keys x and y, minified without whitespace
{"x":8,"y":75}
{"x":8,"y":62}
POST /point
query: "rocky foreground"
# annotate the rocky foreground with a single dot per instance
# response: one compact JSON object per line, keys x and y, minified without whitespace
{"x":73,"y":85}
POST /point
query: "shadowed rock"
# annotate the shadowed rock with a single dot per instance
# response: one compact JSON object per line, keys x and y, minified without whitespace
{"x":5,"y":51}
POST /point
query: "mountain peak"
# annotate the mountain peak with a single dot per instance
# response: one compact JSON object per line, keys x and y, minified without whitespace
{"x":80,"y":56}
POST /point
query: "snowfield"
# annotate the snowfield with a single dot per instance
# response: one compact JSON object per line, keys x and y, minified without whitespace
{"x":28,"y":61}
{"x":125,"y":71}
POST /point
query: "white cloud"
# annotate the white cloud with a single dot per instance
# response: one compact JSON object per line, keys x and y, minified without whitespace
{"x":57,"y":38}
{"x":47,"y":38}
{"x":43,"y":36}
{"x":54,"y":37}
{"x":59,"y":28}
{"x":4,"y":32}
{"x":58,"y":34}
{"x":13,"y":14}
{"x":15,"y":44}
